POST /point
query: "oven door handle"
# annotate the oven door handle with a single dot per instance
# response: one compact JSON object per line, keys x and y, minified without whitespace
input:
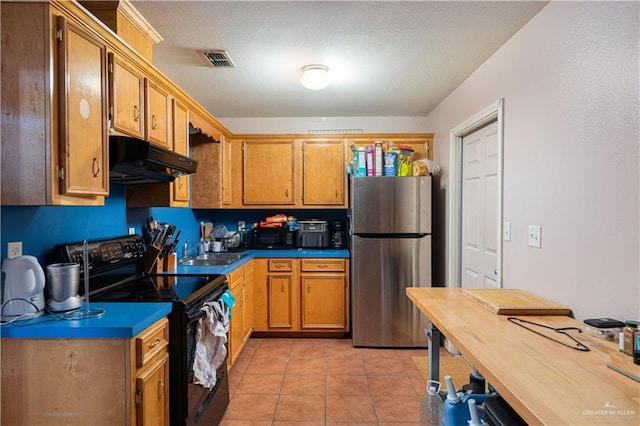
{"x":197,"y":316}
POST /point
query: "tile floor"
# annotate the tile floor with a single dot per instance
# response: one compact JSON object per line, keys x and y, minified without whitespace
{"x":281,"y":381}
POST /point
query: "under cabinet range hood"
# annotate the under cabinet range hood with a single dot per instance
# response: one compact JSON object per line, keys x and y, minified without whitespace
{"x":135,"y":161}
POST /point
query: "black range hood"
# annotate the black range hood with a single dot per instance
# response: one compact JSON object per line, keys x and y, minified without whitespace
{"x":135,"y":161}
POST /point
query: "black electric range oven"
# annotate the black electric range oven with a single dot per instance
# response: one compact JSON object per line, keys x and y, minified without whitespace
{"x":116,"y":275}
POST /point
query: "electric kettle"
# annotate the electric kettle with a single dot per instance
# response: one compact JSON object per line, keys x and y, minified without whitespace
{"x":22,"y":288}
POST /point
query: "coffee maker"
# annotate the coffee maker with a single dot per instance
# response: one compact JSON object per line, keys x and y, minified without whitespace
{"x":338,"y":234}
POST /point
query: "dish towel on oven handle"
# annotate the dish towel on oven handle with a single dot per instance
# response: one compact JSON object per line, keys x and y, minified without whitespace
{"x":211,"y":336}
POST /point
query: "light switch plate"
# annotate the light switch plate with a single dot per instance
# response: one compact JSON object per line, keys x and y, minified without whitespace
{"x":535,"y":236}
{"x":507,"y":231}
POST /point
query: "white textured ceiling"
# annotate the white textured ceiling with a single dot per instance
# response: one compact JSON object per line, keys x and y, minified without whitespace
{"x":387,"y":58}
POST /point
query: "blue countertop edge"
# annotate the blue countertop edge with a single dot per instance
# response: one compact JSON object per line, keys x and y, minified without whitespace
{"x":126,"y":320}
{"x":120,"y":320}
{"x":261,"y":254}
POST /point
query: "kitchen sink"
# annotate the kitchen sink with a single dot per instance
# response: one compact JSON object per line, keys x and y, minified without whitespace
{"x":213,"y":259}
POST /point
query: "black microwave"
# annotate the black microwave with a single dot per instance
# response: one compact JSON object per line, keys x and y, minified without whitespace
{"x":273,"y":238}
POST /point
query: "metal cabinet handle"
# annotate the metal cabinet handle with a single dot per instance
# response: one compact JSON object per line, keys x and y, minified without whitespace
{"x":323,"y":266}
{"x":336,"y":194}
{"x":154,"y":122}
{"x":279,"y":265}
{"x":160,"y":389}
{"x":154,"y":344}
{"x":283,"y":287}
{"x":136,"y":113}
{"x":180,"y":183}
{"x":286,"y":193}
{"x":95,"y":167}
{"x":308,"y":287}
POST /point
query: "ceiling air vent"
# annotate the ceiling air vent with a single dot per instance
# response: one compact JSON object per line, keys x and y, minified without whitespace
{"x":219,"y":59}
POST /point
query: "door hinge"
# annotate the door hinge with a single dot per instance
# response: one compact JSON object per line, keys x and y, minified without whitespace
{"x":138,"y":398}
{"x":60,"y":173}
{"x":58,"y":34}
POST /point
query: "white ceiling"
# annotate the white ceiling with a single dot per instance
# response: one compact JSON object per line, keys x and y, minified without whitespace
{"x":387,"y":58}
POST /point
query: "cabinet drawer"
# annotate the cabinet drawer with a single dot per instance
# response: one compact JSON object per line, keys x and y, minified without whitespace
{"x":152,"y":341}
{"x":235,"y":277}
{"x":280,"y":265}
{"x":322,"y":265}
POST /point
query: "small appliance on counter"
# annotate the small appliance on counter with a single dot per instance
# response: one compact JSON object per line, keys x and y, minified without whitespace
{"x":22,"y":288}
{"x":313,"y":233}
{"x":273,"y":238}
{"x":338,"y":234}
{"x":64,"y":283}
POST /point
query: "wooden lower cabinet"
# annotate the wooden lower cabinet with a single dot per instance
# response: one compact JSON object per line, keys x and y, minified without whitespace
{"x":301,"y":295}
{"x":241,"y":322}
{"x":87,"y":381}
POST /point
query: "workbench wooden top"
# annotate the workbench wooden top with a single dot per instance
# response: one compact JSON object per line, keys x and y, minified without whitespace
{"x":544,"y":381}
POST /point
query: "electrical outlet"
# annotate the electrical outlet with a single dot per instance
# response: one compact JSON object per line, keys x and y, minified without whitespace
{"x":240,"y":225}
{"x":14,"y":249}
{"x":535,"y":236}
{"x":132,"y":231}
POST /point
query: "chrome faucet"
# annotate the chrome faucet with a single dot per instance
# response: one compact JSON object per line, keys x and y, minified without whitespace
{"x":186,"y":250}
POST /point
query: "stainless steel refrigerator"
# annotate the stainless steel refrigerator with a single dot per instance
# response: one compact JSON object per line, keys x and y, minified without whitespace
{"x":390,"y":220}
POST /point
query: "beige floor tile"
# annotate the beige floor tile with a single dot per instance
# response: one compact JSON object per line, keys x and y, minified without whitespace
{"x":306,"y":366}
{"x":345,"y":364}
{"x":267,"y":366}
{"x":300,"y":407}
{"x":347,"y":385}
{"x":392,"y":385}
{"x":383,"y":367}
{"x":303,"y":384}
{"x":397,"y":408}
{"x":251,"y":407}
{"x":352,"y":408}
{"x":260,"y":384}
{"x":270,"y":351}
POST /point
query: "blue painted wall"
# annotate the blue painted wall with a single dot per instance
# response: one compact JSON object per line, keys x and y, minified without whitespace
{"x":41,"y":228}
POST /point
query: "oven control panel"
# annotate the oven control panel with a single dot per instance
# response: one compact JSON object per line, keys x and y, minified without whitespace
{"x":103,"y":254}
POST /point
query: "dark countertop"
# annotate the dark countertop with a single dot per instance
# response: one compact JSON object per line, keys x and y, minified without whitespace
{"x":126,"y":320}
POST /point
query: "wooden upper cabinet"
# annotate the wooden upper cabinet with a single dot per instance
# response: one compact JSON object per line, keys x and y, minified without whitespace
{"x":158,"y":127}
{"x":268,"y":172}
{"x":323,"y":174}
{"x":126,"y":98}
{"x":84,"y":157}
{"x":54,"y":112}
{"x":181,"y":146}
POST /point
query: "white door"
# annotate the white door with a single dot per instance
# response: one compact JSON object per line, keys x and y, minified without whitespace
{"x":479,"y":239}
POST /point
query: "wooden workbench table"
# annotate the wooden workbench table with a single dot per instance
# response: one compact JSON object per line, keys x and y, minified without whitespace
{"x":545,"y":382}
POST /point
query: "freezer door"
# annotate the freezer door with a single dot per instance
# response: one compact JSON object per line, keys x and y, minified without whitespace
{"x":382,"y":269}
{"x":391,"y":205}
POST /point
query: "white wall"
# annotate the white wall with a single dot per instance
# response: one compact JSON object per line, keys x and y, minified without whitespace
{"x":569,"y":80}
{"x":304,"y":124}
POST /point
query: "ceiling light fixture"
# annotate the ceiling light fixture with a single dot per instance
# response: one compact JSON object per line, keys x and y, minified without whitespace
{"x":315,"y":77}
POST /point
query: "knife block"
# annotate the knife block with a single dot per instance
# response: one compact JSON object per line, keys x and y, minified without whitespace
{"x":150,"y":260}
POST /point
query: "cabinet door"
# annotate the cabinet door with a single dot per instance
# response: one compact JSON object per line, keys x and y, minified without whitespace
{"x":181,"y":146}
{"x":152,"y":394}
{"x":235,"y":324}
{"x":324,"y":177}
{"x":158,"y":107}
{"x":126,"y":97}
{"x":280,"y":301}
{"x":421,"y":146}
{"x":268,"y":172}
{"x":247,"y":311}
{"x":323,"y":301}
{"x":84,"y":168}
